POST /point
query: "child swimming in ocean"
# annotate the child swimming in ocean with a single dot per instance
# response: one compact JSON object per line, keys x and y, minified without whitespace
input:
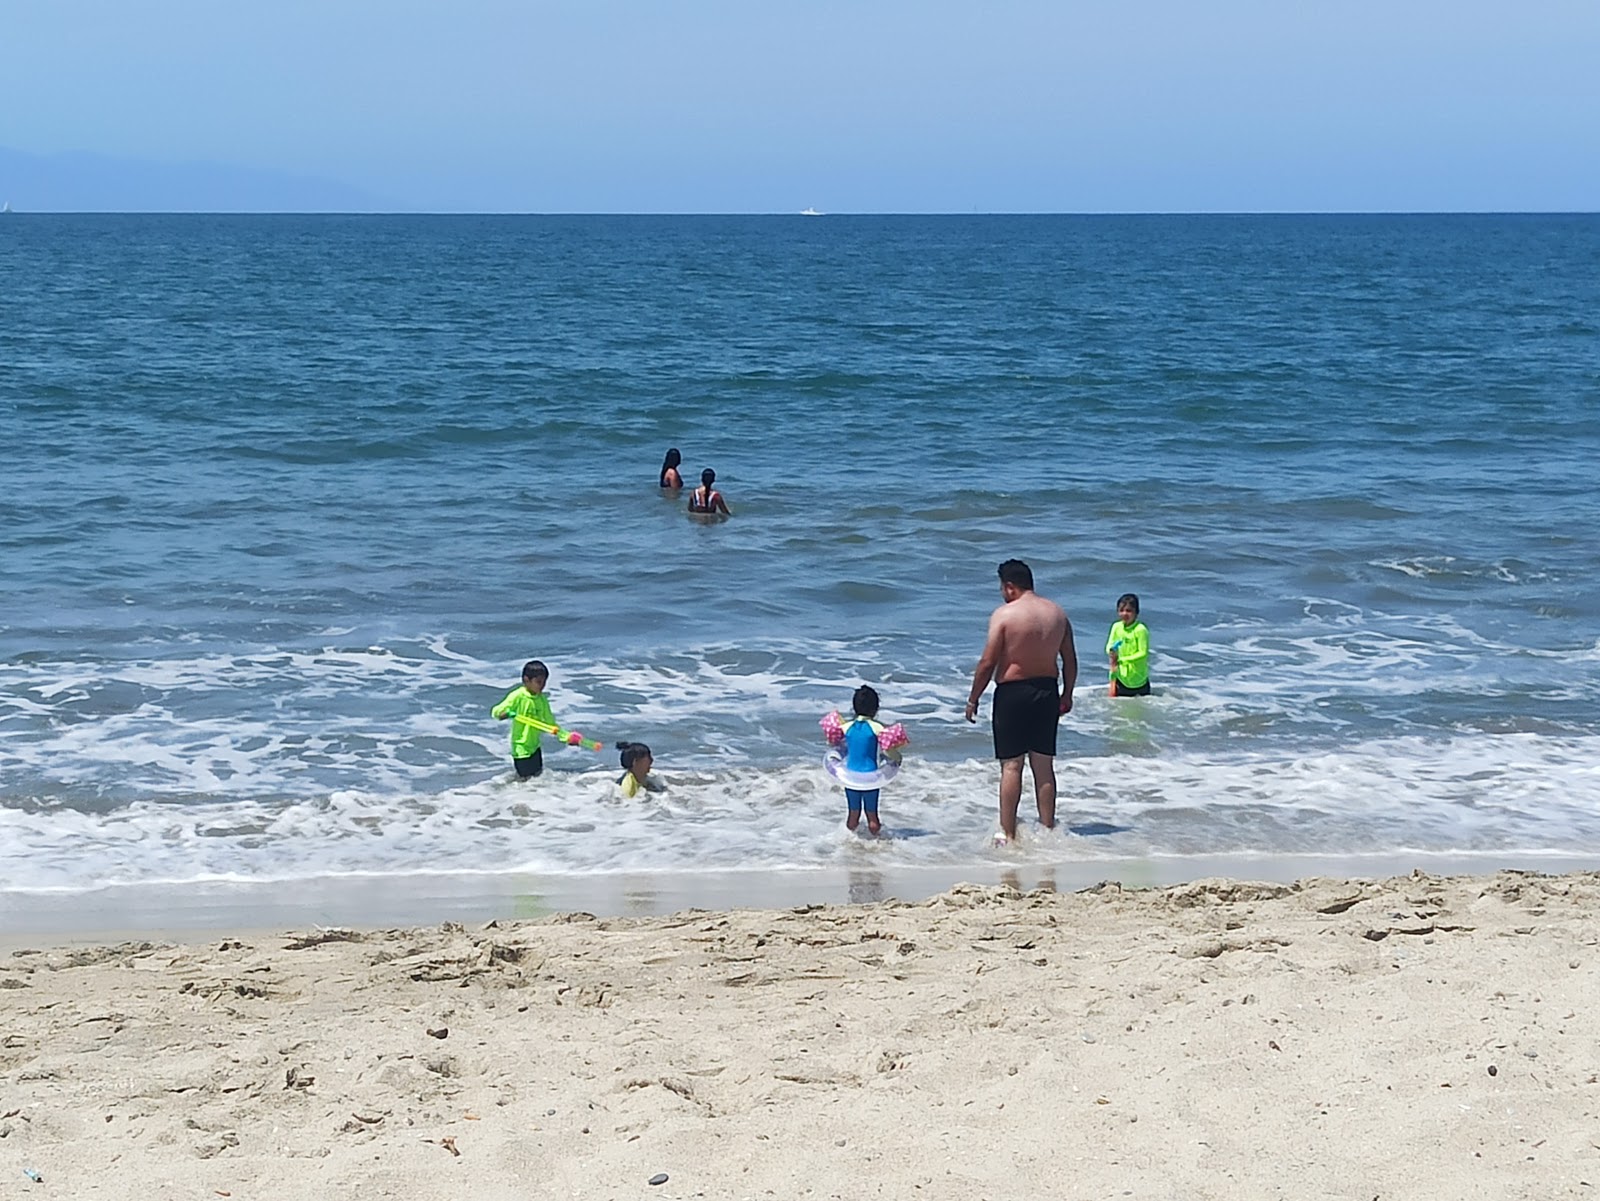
{"x":706,"y":501}
{"x":1128,"y":646}
{"x":866,"y":756}
{"x":529,"y":710}
{"x":636,"y":763}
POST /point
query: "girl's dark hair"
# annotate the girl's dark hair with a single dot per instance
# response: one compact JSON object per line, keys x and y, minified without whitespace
{"x":672,"y":460}
{"x":865,"y":701}
{"x":1128,"y":598}
{"x":707,"y":478}
{"x":628,"y":752}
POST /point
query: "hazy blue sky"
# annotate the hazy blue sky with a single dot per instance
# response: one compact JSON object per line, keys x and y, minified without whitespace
{"x":859,"y":106}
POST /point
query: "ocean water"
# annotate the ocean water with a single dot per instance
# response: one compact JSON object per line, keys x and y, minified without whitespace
{"x":285,"y":502}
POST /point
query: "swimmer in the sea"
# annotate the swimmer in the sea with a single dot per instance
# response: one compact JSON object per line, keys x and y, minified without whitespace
{"x":706,"y":501}
{"x":671,"y":478}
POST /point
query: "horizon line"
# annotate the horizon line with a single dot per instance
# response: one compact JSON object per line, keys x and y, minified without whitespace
{"x":1530,"y":212}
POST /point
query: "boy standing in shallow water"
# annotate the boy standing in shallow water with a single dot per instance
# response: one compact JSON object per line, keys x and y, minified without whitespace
{"x":528,"y":701}
{"x":1128,"y":645}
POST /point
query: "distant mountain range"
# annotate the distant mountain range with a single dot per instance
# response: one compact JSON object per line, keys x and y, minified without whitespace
{"x":93,"y":183}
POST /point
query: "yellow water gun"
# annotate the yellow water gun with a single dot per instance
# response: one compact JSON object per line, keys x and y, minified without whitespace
{"x":570,"y":737}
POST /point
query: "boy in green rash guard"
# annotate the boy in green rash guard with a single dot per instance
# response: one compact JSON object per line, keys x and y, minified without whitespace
{"x":528,"y":700}
{"x":1128,"y":645}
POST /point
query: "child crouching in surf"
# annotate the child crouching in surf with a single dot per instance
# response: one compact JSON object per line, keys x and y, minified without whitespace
{"x":636,"y":763}
{"x":866,"y":756}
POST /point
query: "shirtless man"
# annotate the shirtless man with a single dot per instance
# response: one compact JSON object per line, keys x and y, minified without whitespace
{"x":1026,"y":635}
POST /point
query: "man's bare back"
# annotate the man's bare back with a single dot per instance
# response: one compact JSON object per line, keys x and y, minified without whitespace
{"x":1028,"y":634}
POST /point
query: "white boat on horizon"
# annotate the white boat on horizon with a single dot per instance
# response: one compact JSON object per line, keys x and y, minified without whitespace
{"x":809,"y":213}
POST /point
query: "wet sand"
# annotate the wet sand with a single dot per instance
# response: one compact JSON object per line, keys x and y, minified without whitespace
{"x":184,"y":911}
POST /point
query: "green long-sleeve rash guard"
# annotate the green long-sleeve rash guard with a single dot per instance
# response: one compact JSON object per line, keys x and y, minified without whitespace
{"x":1133,"y":655}
{"x":520,"y":702}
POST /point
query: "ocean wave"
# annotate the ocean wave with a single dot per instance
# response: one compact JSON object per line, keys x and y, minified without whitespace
{"x":1512,"y":793}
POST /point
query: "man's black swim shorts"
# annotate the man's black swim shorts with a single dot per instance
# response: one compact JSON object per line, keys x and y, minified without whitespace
{"x":1025,"y":717}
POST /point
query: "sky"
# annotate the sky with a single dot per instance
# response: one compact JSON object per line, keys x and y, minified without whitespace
{"x":863,"y":106}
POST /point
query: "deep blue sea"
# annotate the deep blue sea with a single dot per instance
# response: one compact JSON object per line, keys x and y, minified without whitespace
{"x":285,"y":502}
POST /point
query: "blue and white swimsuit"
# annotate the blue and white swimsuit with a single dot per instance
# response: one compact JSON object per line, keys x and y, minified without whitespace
{"x":861,"y":767}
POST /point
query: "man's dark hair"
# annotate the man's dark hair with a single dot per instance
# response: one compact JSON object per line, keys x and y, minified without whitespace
{"x":1018,"y":573}
{"x":1128,"y":598}
{"x":865,"y":701}
{"x":535,"y":669}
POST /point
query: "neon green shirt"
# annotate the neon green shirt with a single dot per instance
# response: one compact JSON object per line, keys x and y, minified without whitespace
{"x":520,"y":702}
{"x":1133,"y":653}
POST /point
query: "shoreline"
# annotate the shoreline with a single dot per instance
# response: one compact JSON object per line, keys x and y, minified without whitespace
{"x":1420,"y":1036}
{"x":184,"y":911}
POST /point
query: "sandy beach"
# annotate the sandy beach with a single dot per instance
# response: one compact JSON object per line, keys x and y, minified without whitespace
{"x":1416,"y":1037}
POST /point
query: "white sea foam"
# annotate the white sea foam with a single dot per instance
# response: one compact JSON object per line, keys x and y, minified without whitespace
{"x":1455,"y":568}
{"x":1511,"y":793}
{"x":1338,"y":735}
